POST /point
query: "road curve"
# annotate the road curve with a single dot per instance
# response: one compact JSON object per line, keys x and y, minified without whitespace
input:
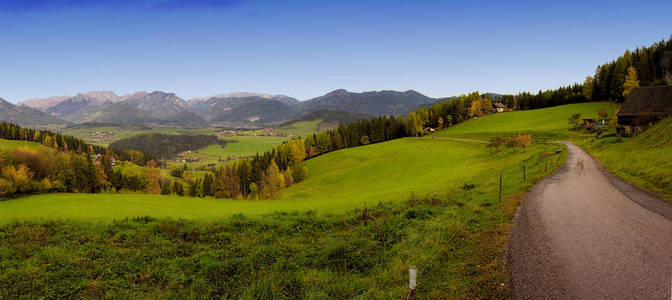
{"x":583,"y":233}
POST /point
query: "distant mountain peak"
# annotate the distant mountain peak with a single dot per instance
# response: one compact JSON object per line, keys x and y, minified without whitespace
{"x":337,"y":92}
{"x":26,"y":115}
{"x":373,"y":103}
{"x":103,"y":96}
{"x":233,"y":95}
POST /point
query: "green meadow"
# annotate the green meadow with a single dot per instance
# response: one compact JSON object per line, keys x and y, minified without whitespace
{"x":122,"y":132}
{"x":241,"y":146}
{"x":547,"y":123}
{"x":305,"y":128}
{"x":300,"y":128}
{"x":336,"y":182}
{"x":318,"y":241}
{"x":11,"y":145}
{"x":351,"y":229}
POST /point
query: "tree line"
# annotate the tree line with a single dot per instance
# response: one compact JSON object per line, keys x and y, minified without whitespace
{"x":65,"y":164}
{"x":652,"y":64}
{"x":10,"y":131}
{"x":164,"y":146}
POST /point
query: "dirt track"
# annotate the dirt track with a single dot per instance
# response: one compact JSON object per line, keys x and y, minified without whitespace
{"x":583,"y":233}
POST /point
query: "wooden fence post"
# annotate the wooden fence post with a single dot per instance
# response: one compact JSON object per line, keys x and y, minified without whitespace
{"x":500,"y":186}
{"x":413,"y":274}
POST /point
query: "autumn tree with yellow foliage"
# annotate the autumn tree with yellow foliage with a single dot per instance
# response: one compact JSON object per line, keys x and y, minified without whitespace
{"x":631,"y":81}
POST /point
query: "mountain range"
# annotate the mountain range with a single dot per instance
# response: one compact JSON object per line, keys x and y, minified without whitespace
{"x":227,"y":110}
{"x":27,"y":116}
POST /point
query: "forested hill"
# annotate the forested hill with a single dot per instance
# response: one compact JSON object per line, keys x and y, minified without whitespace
{"x":50,"y":162}
{"x":649,"y":65}
{"x":337,"y":116}
{"x":164,"y":146}
{"x":652,"y":65}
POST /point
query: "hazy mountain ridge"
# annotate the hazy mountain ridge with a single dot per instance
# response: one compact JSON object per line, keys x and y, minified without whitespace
{"x":328,"y":116}
{"x":27,"y":116}
{"x":43,"y":103}
{"x":251,"y":110}
{"x":242,"y":95}
{"x":232,"y":109}
{"x":373,"y":103}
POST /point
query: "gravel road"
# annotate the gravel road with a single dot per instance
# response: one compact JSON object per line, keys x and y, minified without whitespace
{"x":584,"y":233}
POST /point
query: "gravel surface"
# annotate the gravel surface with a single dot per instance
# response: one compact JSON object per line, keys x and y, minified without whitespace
{"x":584,"y":233}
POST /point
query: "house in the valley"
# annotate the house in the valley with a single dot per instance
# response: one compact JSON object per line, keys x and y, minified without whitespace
{"x":644,"y":107}
{"x":498,"y":107}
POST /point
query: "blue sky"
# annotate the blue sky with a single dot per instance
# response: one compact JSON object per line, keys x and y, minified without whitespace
{"x":307,"y":48}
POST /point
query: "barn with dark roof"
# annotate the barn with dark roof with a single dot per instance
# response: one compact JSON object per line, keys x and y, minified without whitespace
{"x":645,"y":106}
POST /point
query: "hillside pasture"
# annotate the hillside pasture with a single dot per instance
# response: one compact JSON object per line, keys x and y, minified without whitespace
{"x":351,"y":229}
{"x":241,"y":146}
{"x":10,"y":145}
{"x":302,"y":128}
{"x":546,"y":123}
{"x":305,"y":128}
{"x":336,"y":182}
{"x":122,"y":132}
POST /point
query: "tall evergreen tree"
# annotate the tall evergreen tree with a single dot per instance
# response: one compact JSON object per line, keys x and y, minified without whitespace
{"x":588,"y":88}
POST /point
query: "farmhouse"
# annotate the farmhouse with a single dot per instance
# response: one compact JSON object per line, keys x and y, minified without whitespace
{"x":644,"y":107}
{"x":498,"y":107}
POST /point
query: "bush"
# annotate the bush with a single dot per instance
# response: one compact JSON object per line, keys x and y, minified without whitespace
{"x":299,"y":173}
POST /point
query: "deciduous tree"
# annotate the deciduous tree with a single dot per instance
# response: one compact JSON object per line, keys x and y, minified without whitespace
{"x":631,"y":81}
{"x":271,"y":182}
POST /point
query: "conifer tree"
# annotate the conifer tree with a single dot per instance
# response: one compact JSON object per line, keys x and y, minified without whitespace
{"x":588,"y":88}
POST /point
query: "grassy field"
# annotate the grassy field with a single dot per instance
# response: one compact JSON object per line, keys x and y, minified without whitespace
{"x":11,"y":145}
{"x":337,"y":182}
{"x":548,"y":123}
{"x":243,"y":146}
{"x":122,"y":132}
{"x":351,"y":229}
{"x":645,"y":160}
{"x":334,"y":247}
{"x":248,"y":143}
{"x":306,"y":127}
{"x":300,"y":128}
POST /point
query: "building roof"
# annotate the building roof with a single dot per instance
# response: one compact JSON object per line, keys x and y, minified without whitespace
{"x":498,"y":105}
{"x":648,"y":101}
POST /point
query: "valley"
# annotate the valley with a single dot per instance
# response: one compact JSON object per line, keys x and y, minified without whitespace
{"x":400,"y":202}
{"x":411,"y":185}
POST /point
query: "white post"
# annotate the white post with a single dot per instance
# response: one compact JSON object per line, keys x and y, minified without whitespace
{"x":413,"y":274}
